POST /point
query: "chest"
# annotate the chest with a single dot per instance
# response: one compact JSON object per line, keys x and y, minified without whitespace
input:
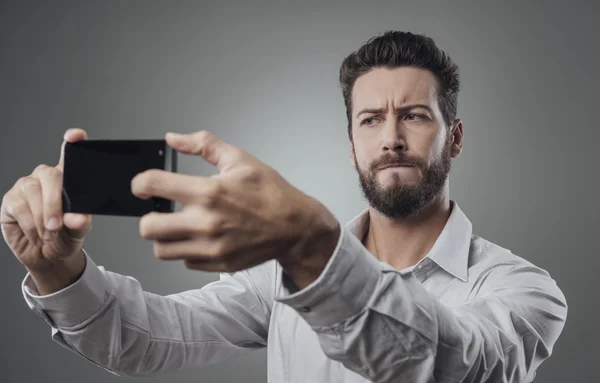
{"x":295,"y":355}
{"x":294,"y":352}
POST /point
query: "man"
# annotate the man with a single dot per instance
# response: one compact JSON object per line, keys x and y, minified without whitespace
{"x":403,"y":293}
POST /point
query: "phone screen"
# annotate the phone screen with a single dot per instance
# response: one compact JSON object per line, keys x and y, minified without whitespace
{"x":98,"y":173}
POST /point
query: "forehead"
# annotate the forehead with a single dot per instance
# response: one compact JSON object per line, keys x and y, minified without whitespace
{"x":381,"y":87}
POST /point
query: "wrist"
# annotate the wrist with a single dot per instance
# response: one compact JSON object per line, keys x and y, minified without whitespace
{"x":306,"y":263}
{"x":59,"y":275}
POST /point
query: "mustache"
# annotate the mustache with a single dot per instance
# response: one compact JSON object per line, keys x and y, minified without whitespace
{"x":398,"y":159}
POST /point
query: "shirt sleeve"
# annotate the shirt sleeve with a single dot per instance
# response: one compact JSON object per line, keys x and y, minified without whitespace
{"x":385,"y":326}
{"x":108,"y":319}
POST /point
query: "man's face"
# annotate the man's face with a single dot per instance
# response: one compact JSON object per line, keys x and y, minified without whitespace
{"x":400,"y":146}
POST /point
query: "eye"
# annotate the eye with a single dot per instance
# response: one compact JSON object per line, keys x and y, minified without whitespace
{"x":369,"y":121}
{"x":414,"y":117}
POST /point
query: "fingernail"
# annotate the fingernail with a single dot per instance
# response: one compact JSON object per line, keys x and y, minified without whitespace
{"x":48,"y":235}
{"x":52,"y":224}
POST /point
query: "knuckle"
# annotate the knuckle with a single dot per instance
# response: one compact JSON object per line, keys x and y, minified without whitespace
{"x":7,"y":199}
{"x":153,"y":178}
{"x":40,"y":168}
{"x":23,"y":180}
{"x":202,"y":139}
{"x":215,"y":225}
{"x":45,"y":174}
{"x":30,"y":183}
{"x":18,"y":208}
{"x":52,"y":172}
{"x":253,"y":176}
{"x":149,"y":180}
{"x":204,"y":136}
{"x":213,"y":193}
{"x":214,"y":190}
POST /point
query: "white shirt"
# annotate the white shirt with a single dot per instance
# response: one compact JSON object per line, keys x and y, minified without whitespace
{"x":470,"y":311}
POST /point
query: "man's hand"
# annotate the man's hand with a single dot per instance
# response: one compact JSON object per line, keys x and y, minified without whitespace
{"x":244,"y":216}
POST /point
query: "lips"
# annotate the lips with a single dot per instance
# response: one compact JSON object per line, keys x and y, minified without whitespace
{"x":396,"y":166}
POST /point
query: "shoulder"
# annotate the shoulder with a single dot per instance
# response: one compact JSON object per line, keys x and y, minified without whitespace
{"x":497,"y":268}
{"x":506,"y":284}
{"x":485,"y":255}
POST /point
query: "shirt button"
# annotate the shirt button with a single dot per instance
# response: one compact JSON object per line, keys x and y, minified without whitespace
{"x":304,"y":309}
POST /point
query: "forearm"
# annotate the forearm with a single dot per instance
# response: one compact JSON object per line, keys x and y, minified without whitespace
{"x":111,"y":321}
{"x":308,"y":259}
{"x":60,"y":275}
{"x":306,"y":269}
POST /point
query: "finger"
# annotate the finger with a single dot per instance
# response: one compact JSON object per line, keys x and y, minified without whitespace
{"x":205,"y":144}
{"x":51,"y":187}
{"x":71,"y":135}
{"x":231,"y":263}
{"x":207,"y":265}
{"x":31,"y":191}
{"x":166,"y":226}
{"x":18,"y":208}
{"x":174,"y":186}
{"x":185,"y":224}
{"x":199,"y":249}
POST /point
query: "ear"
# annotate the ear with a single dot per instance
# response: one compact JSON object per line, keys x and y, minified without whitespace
{"x":352,"y":156}
{"x":457,"y":138}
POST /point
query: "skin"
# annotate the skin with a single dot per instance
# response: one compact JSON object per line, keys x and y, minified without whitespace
{"x":416,"y":132}
{"x":46,"y":241}
{"x":247,"y":214}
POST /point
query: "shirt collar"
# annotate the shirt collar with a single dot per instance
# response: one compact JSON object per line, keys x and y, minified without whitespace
{"x":450,"y":250}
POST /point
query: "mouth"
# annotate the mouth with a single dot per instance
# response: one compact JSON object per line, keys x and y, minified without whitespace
{"x":396,"y":166}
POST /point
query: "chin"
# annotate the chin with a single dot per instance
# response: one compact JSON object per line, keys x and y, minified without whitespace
{"x":395,"y":181}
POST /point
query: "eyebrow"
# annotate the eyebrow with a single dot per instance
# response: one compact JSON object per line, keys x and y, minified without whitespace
{"x":400,"y":110}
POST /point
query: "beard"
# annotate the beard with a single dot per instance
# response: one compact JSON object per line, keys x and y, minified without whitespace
{"x":398,"y":200}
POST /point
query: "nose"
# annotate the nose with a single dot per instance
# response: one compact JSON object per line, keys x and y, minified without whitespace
{"x":393,"y":138}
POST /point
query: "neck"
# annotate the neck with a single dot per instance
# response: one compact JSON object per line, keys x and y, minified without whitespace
{"x":403,"y":243}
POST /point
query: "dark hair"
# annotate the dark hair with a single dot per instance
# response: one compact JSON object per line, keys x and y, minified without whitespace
{"x":399,"y":49}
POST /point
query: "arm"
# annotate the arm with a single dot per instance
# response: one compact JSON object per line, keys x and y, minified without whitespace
{"x":388,"y":328}
{"x":111,"y":321}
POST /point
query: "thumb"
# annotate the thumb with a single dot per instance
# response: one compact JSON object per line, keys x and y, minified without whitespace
{"x":78,"y":226}
{"x":206,"y":145}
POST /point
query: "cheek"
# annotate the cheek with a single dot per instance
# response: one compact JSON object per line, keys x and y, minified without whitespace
{"x":436,"y":147}
{"x":361,"y":158}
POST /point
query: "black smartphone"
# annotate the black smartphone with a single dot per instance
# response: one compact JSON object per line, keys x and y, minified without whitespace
{"x":97,"y":176}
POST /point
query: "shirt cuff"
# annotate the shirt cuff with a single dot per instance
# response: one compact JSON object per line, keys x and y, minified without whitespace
{"x":343,"y":289}
{"x":71,"y":306}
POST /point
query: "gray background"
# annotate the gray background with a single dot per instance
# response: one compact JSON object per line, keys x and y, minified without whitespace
{"x":264,"y":77}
